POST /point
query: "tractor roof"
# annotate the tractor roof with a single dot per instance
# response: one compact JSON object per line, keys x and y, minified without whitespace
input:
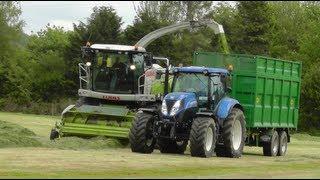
{"x":198,"y":69}
{"x":116,"y":47}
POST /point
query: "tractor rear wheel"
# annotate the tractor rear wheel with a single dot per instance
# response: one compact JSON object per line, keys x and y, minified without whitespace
{"x":271,"y":148}
{"x":140,"y":137}
{"x":233,"y":134}
{"x":203,"y":137}
{"x":172,"y":146}
{"x":283,"y":144}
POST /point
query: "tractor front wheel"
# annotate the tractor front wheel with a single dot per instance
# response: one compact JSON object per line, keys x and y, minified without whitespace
{"x":140,"y":137}
{"x":203,"y":137}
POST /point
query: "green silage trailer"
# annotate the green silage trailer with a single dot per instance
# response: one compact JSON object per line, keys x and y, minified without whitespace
{"x":267,"y":88}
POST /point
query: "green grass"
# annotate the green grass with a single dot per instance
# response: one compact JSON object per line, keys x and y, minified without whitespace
{"x":81,"y":158}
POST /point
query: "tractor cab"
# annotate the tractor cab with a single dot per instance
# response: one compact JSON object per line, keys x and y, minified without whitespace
{"x":200,"y":87}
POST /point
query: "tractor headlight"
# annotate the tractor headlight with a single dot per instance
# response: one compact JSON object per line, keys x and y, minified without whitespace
{"x":175,"y":108}
{"x":164,"y":108}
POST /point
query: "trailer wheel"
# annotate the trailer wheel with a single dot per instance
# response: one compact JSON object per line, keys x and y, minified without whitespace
{"x":203,"y":137}
{"x":54,"y":134}
{"x":283,"y":144}
{"x":172,"y":146}
{"x":140,"y":136}
{"x":271,"y":148}
{"x":233,"y":134}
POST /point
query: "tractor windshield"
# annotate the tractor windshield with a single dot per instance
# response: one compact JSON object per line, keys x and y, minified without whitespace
{"x":187,"y":82}
{"x":116,"y":72}
{"x":198,"y":83}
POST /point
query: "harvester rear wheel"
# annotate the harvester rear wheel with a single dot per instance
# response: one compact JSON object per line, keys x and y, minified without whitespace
{"x":271,"y":148}
{"x":234,"y":135}
{"x":172,"y":146}
{"x":140,"y":136}
{"x":203,"y":137}
{"x":283,"y":144}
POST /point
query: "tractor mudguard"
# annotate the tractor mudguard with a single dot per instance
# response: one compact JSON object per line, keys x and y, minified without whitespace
{"x":224,"y":107}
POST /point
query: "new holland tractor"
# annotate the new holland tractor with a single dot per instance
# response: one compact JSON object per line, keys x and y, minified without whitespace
{"x":117,"y":80}
{"x":195,"y":110}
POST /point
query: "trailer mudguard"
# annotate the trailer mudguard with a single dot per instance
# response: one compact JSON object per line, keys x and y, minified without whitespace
{"x":224,"y":107}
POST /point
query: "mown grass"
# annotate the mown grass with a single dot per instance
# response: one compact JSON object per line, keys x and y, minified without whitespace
{"x":73,"y":157}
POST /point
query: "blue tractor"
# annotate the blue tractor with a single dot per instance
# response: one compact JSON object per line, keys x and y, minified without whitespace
{"x":198,"y":110}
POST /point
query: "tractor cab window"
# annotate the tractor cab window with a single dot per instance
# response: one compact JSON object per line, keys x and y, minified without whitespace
{"x":190,"y":82}
{"x":198,"y":83}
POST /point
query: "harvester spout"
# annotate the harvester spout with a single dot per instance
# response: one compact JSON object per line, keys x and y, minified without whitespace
{"x":192,"y":26}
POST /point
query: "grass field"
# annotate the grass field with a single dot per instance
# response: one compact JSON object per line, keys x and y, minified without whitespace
{"x":78,"y":158}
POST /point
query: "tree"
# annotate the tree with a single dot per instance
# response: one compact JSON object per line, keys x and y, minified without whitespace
{"x":47,"y":50}
{"x":252,"y":26}
{"x":10,"y":35}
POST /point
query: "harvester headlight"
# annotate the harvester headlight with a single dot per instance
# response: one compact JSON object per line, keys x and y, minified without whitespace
{"x":175,"y":108}
{"x":88,"y":64}
{"x":132,"y":67}
{"x":164,"y":108}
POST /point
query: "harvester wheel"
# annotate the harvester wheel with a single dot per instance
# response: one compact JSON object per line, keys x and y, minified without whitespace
{"x":283,"y":144}
{"x":54,"y":134}
{"x":203,"y":137}
{"x":140,"y":137}
{"x":271,"y":148}
{"x":172,"y":146}
{"x":234,"y":135}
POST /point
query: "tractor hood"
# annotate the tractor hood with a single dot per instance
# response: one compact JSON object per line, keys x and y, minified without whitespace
{"x":177,"y":102}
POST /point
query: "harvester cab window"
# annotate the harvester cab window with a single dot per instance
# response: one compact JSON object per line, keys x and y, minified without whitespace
{"x":111,"y":72}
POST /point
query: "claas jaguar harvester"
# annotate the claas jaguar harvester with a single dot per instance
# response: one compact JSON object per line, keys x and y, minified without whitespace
{"x":221,"y":104}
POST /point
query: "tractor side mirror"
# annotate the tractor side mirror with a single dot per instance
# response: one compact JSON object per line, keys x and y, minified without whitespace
{"x":229,"y":90}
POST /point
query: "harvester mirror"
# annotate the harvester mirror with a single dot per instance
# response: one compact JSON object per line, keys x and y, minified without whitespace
{"x":229,"y":90}
{"x":148,"y":59}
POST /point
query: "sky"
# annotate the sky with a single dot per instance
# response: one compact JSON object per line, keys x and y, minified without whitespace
{"x":37,"y":14}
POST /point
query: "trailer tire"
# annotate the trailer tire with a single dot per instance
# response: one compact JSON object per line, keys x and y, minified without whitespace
{"x":140,"y":135}
{"x":172,"y":146}
{"x":203,"y":137}
{"x":283,"y":143}
{"x":54,"y":134}
{"x":271,"y":148}
{"x":233,"y":127}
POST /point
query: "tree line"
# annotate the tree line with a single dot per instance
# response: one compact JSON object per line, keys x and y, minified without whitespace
{"x":41,"y":68}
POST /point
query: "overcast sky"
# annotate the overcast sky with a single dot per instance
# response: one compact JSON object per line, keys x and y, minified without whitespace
{"x":37,"y":14}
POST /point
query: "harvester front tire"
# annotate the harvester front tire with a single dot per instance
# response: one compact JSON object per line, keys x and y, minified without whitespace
{"x":140,"y":136}
{"x":203,"y":137}
{"x":172,"y":146}
{"x":283,"y":144}
{"x":271,"y":148}
{"x":233,"y":134}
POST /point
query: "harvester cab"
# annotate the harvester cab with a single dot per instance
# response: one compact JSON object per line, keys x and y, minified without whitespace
{"x":115,"y":80}
{"x":195,"y":110}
